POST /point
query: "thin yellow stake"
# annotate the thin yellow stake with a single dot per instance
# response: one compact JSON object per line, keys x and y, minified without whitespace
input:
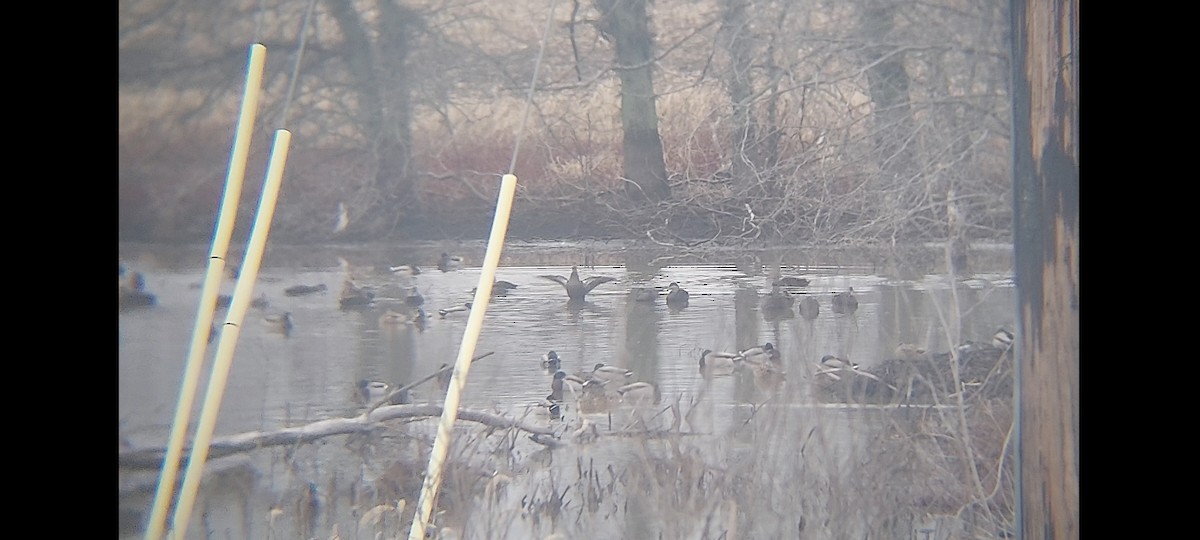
{"x":208,"y":295}
{"x":242,"y":293}
{"x":483,"y":294}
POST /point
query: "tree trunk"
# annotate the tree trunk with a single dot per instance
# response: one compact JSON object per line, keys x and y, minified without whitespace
{"x":381,"y":81}
{"x":1046,"y":190}
{"x":888,"y":83}
{"x":627,"y":25}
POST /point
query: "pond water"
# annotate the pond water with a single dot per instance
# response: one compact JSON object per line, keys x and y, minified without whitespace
{"x":278,"y":381}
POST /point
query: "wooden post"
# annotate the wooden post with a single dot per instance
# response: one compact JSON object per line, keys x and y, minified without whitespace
{"x":1045,"y":91}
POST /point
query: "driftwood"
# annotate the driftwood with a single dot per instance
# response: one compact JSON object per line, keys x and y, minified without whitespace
{"x":151,"y":458}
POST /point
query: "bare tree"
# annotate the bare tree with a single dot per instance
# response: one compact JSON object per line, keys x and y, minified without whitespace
{"x":626,"y":24}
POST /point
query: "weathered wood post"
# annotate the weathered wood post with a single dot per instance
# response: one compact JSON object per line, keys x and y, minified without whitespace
{"x":1045,"y":91}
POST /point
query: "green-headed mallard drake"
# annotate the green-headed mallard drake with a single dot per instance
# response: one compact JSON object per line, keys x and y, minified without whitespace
{"x":280,"y":323}
{"x":449,"y":262}
{"x":778,"y":299}
{"x":831,"y":365}
{"x":845,"y":302}
{"x":608,"y":373}
{"x":719,"y":363}
{"x":372,"y":392}
{"x":577,"y":289}
{"x":639,"y":393}
{"x":790,"y":282}
{"x":353,"y":296}
{"x":302,"y":290}
{"x":414,"y":298}
{"x":761,"y":354}
{"x":1002,"y":339}
{"x":551,"y":361}
{"x":809,"y":307}
{"x":676,"y":296}
{"x":556,"y":386}
{"x":643,"y":294}
{"x":407,"y":270}
{"x":909,"y":351}
{"x":454,"y":309}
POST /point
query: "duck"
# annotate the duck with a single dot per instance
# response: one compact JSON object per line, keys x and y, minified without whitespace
{"x":778,"y":300}
{"x":447,"y":262}
{"x":131,"y":290}
{"x":499,"y":287}
{"x":414,"y":298}
{"x":225,"y":300}
{"x":909,"y":351}
{"x":454,"y":309}
{"x":760,"y":354}
{"x":830,"y":365}
{"x":551,"y":362}
{"x":719,"y":363}
{"x":607,"y":373}
{"x":643,"y":295}
{"x":407,"y":270}
{"x":1002,"y":339}
{"x":640,"y":393}
{"x":371,"y":392}
{"x":677,"y":297}
{"x":845,"y":302}
{"x":353,"y":296}
{"x":398,"y":318}
{"x":790,"y":282}
{"x":556,"y":386}
{"x":809,"y":307}
{"x":280,"y":323}
{"x":576,"y":288}
{"x":445,"y":372}
{"x":302,"y":290}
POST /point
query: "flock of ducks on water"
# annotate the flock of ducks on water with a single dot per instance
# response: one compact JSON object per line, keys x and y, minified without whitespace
{"x":603,"y":382}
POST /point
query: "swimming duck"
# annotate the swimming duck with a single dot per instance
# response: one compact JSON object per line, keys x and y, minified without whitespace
{"x":371,"y":392}
{"x":676,"y":296}
{"x":447,"y":262}
{"x":1002,"y":339}
{"x":790,"y":282}
{"x":845,"y":302}
{"x":499,"y":287}
{"x":643,"y":294}
{"x":405,"y":270}
{"x":551,"y":362}
{"x":398,"y":318}
{"x":909,"y":351}
{"x":578,"y":289}
{"x":760,"y":355}
{"x":719,"y":363}
{"x":353,"y":296}
{"x":809,"y":307}
{"x":640,"y":393}
{"x":779,"y":299}
{"x":414,"y":298}
{"x":280,"y":323}
{"x":607,"y":373}
{"x":301,"y":290}
{"x":463,"y":307}
{"x":445,"y":372}
{"x":225,"y":300}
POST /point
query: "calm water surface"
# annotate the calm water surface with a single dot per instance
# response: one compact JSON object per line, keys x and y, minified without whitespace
{"x":278,"y":381}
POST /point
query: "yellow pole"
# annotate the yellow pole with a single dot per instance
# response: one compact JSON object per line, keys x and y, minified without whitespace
{"x":208,"y":295}
{"x":242,"y":293}
{"x":483,"y":294}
